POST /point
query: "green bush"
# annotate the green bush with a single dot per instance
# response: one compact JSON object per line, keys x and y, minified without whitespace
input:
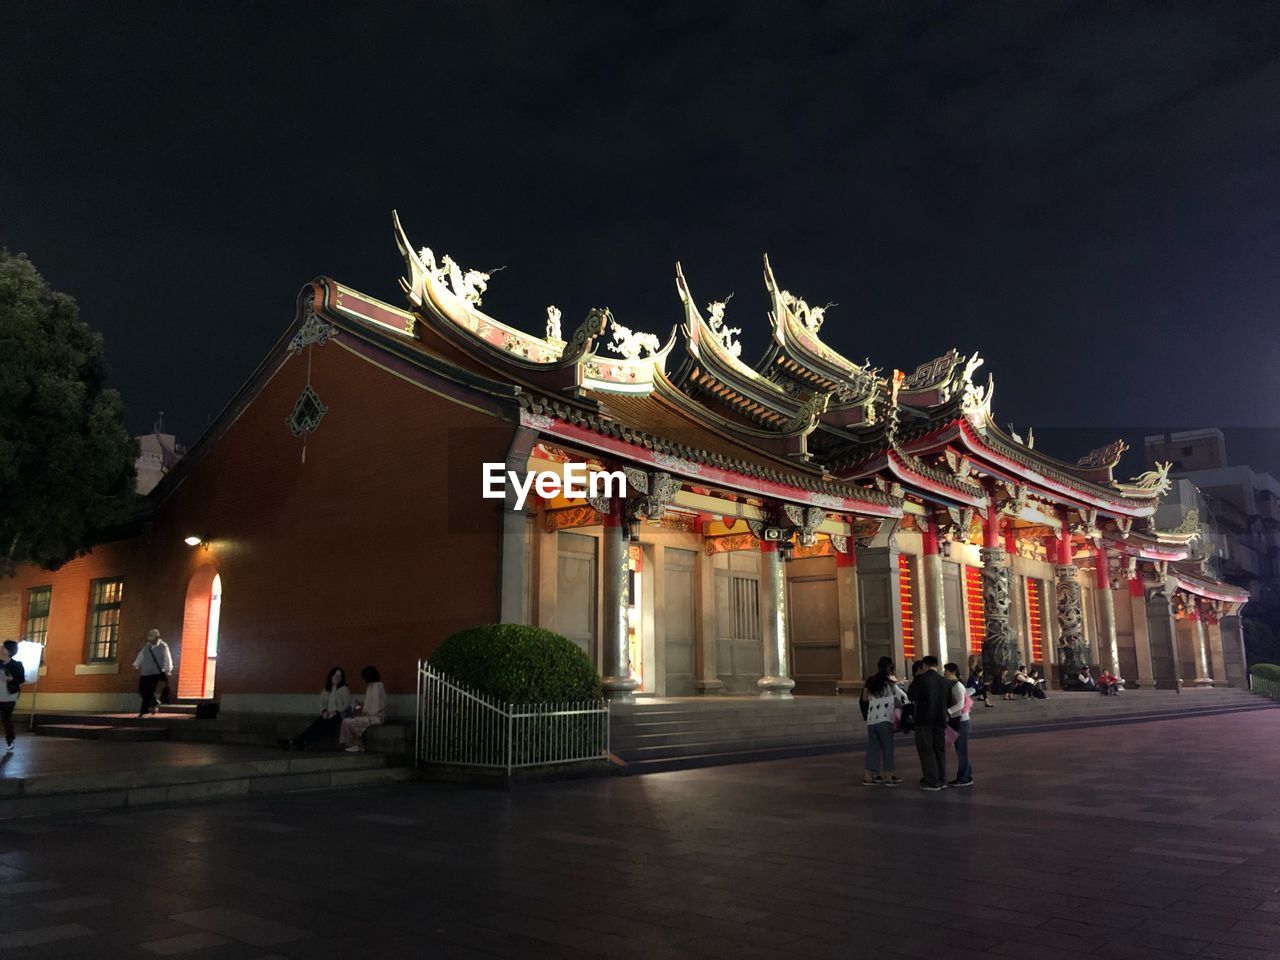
{"x":518,"y":664}
{"x":1266,"y":671}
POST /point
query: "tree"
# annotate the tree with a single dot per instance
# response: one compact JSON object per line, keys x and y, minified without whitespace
{"x":1260,"y":642}
{"x":66,"y":459}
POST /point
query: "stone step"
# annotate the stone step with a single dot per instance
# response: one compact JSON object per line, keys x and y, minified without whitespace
{"x":75,"y":791}
{"x":98,"y":731}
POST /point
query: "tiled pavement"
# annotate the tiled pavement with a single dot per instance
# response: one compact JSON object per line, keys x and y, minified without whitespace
{"x":1143,"y":840}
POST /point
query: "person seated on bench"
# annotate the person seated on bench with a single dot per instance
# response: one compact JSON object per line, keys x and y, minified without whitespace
{"x":1108,"y":683}
{"x":1085,"y":679}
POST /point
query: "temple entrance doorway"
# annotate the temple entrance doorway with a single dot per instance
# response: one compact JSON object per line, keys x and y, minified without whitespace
{"x":201,"y":621}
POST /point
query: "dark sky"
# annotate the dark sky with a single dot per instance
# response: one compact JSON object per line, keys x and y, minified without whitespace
{"x":1087,"y":193}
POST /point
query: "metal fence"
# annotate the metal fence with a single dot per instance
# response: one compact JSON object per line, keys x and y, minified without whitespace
{"x":458,"y":726}
{"x":1264,"y":686}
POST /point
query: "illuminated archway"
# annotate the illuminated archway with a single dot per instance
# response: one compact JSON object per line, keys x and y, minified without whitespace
{"x":201,"y":617}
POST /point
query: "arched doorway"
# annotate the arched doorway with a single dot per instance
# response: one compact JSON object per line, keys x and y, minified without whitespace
{"x":202,"y":614}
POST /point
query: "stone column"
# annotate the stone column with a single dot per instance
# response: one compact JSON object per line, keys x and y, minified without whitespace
{"x":998,"y":649}
{"x":617,"y":681}
{"x":1213,"y":631}
{"x":1141,"y":636}
{"x":516,"y":591}
{"x":1108,"y":643}
{"x":852,"y":669}
{"x":934,"y":605}
{"x":1204,"y":676}
{"x":773,"y":623}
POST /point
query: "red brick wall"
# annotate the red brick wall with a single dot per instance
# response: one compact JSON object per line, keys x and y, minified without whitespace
{"x":372,"y":551}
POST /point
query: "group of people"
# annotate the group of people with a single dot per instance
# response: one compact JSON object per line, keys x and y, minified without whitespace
{"x":1106,"y":683}
{"x":340,"y":715}
{"x":937,"y":704}
{"x":343,"y":716}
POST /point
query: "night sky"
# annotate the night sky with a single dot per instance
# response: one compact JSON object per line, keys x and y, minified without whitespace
{"x":1087,"y":193}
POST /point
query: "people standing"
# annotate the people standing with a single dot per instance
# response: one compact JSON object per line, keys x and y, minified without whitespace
{"x":335,"y":704}
{"x":880,"y":695}
{"x":12,"y":676}
{"x":154,"y":663}
{"x":372,"y":712}
{"x":958,"y":714}
{"x":931,"y":695}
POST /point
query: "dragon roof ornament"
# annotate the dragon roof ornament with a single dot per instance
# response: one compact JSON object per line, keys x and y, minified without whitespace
{"x":1104,"y":457}
{"x":1155,"y":481}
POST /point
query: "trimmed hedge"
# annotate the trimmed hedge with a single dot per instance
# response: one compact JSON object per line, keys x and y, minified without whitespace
{"x":518,"y":664}
{"x":1267,"y":671}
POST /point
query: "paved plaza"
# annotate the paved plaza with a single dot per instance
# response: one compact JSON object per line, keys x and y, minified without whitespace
{"x":1141,"y":840}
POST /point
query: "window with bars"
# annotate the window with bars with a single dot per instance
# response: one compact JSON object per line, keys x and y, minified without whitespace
{"x":1035,"y":617}
{"x":104,"y":618}
{"x":908,"y":607}
{"x":36,"y":628}
{"x":745,"y":592}
{"x":976,"y":612}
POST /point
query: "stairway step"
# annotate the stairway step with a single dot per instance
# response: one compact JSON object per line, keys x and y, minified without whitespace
{"x":92,"y":731}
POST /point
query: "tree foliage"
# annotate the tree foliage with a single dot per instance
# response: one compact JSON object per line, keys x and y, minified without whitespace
{"x":1260,"y":643}
{"x":66,"y":458}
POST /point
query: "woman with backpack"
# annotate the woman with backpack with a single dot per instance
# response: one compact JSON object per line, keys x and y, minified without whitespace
{"x":958,"y":714}
{"x":881,"y":694}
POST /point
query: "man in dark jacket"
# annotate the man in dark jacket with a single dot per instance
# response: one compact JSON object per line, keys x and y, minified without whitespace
{"x":931,"y":695}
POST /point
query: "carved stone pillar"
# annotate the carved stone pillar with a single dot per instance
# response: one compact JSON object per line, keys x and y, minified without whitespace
{"x":616,"y":668}
{"x":998,"y":649}
{"x":852,"y":669}
{"x":934,"y":605}
{"x":1073,"y":652}
{"x":1204,"y":675}
{"x":773,"y":623}
{"x":1108,"y":643}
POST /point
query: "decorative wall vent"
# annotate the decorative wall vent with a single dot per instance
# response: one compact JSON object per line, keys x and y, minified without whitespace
{"x":307,"y":412}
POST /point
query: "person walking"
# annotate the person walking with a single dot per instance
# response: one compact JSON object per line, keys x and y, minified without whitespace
{"x":372,"y":712}
{"x":154,"y":663}
{"x":931,"y":695}
{"x":958,"y":714}
{"x":12,"y":676}
{"x":880,"y":694}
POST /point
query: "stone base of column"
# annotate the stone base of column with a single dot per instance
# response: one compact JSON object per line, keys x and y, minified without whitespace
{"x":1204,"y":681}
{"x":777,"y":688}
{"x":712,"y":688}
{"x":619,"y":689}
{"x":849,"y":686}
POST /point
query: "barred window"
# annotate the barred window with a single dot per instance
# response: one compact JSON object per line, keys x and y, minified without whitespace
{"x":37,"y":625}
{"x":745,"y":592}
{"x":104,"y":618}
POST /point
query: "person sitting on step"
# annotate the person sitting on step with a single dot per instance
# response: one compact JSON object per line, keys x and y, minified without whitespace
{"x":335,"y":703}
{"x":1085,"y":679}
{"x":371,"y":713}
{"x":1108,"y":683}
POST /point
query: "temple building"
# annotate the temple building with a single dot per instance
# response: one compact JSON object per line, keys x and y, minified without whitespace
{"x":785,"y":522}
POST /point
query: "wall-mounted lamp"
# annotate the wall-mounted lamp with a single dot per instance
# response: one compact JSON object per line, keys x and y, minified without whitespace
{"x":944,"y":548}
{"x":787,"y":549}
{"x":633,"y":531}
{"x":195,"y":541}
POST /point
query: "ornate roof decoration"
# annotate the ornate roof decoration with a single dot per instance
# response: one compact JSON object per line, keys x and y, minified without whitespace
{"x":1104,"y":457}
{"x":447,"y":299}
{"x":1157,"y":480}
{"x":713,"y":367}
